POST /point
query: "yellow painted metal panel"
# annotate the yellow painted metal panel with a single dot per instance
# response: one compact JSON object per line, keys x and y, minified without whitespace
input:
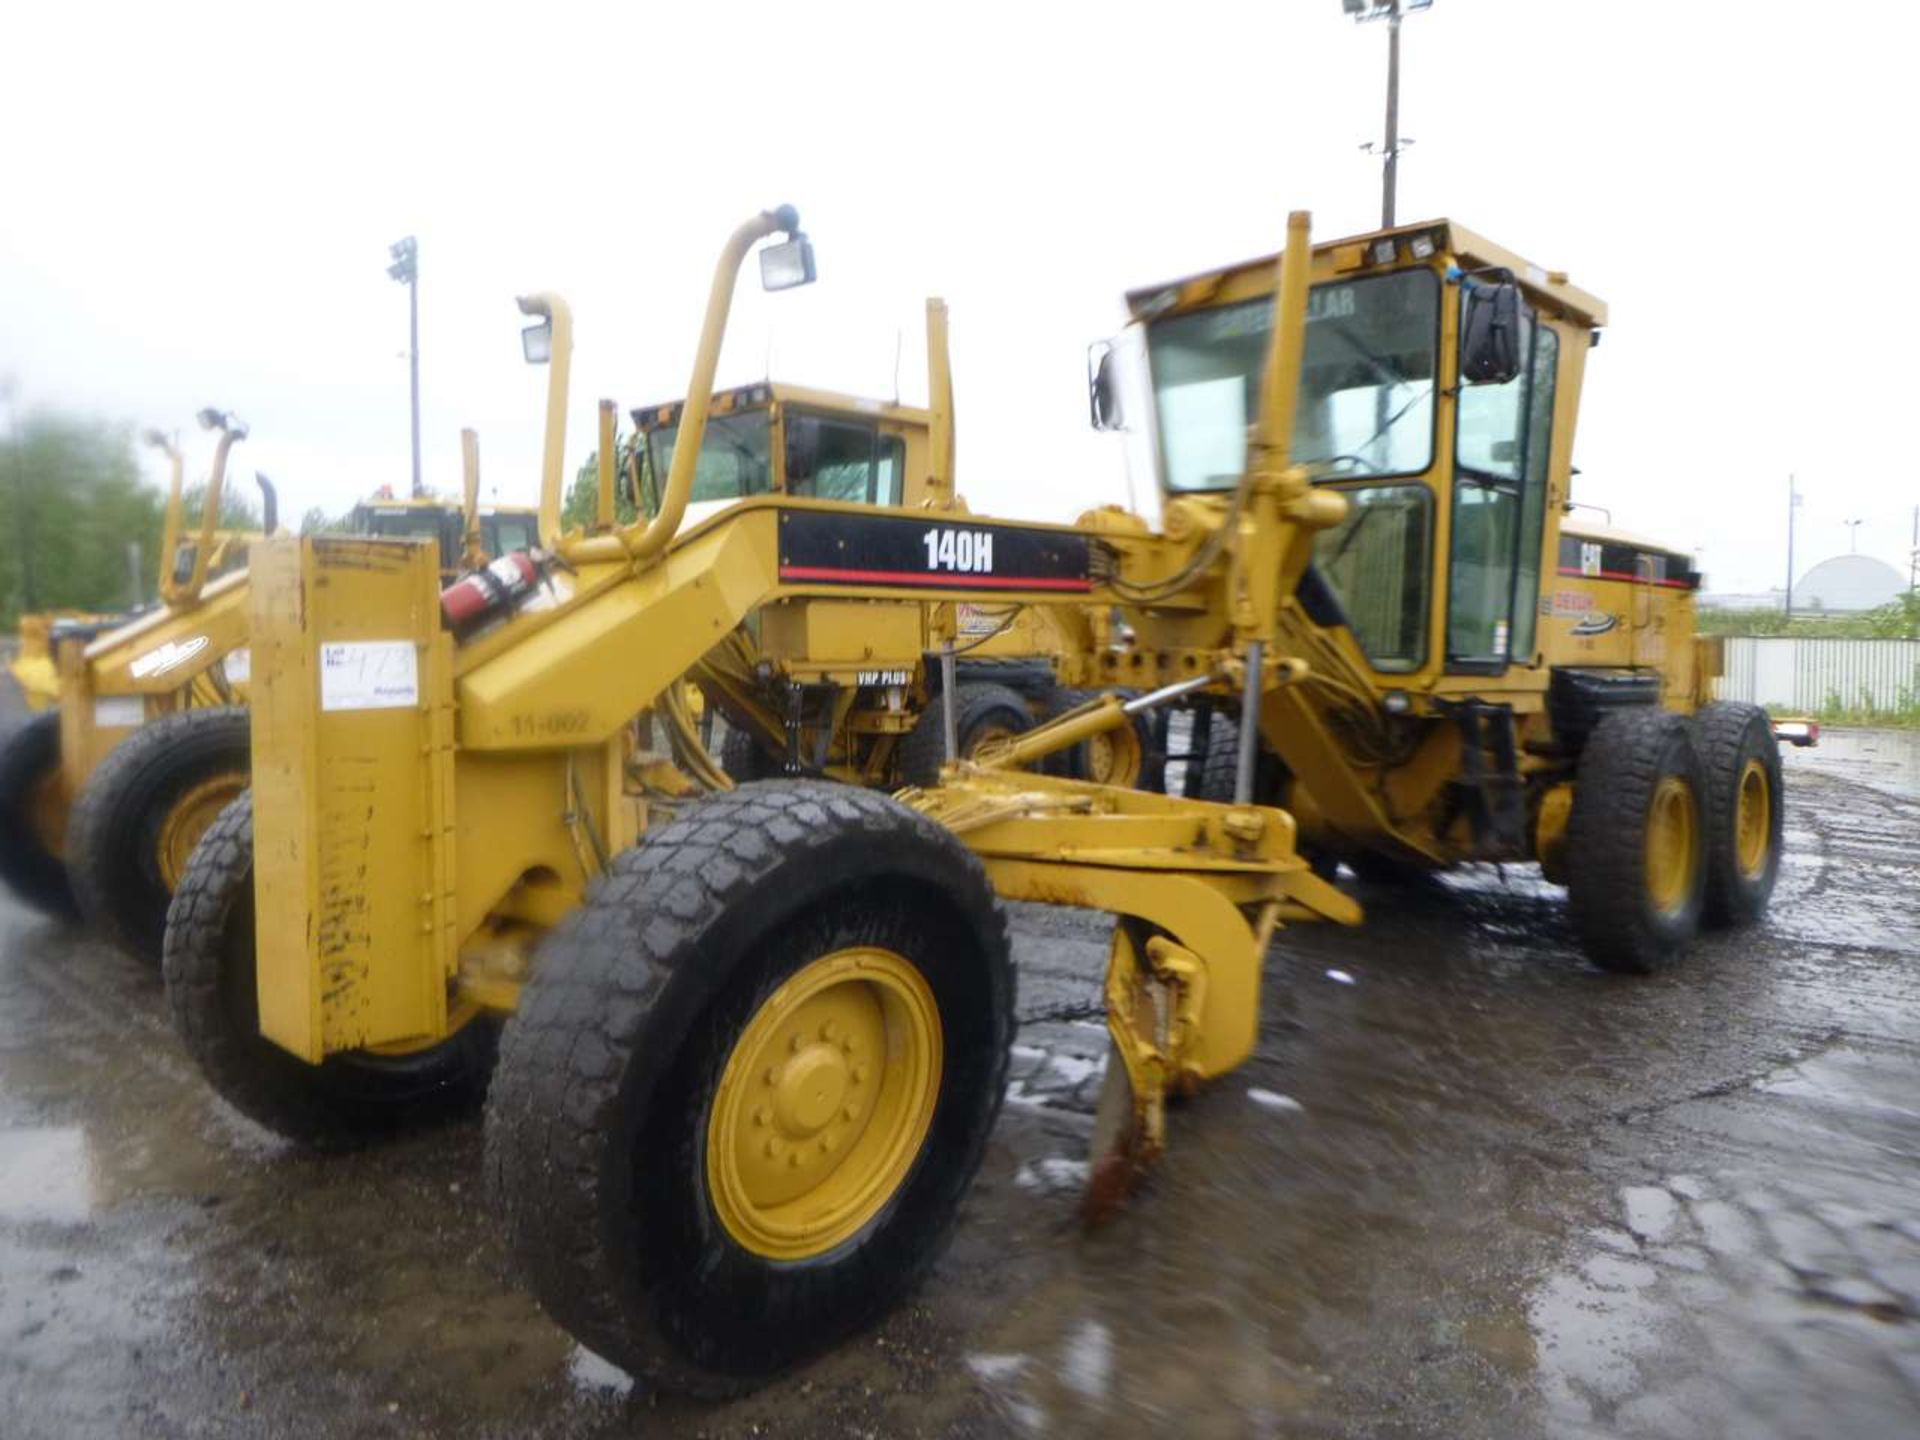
{"x":351,"y":909}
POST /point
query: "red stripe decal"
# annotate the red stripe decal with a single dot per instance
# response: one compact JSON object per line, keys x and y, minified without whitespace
{"x":1622,"y":575}
{"x":915,"y":577}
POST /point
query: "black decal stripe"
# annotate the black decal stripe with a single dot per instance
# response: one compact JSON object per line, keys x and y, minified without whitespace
{"x":937,"y":579}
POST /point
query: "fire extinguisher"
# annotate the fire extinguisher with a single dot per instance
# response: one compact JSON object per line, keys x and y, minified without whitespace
{"x":492,"y":592}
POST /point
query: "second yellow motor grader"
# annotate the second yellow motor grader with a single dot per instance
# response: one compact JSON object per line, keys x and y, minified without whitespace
{"x":752,"y":1050}
{"x":105,"y":795}
{"x":116,"y":674}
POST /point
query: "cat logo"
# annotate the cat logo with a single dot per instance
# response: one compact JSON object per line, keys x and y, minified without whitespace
{"x":165,"y":657}
{"x":1598,"y":624}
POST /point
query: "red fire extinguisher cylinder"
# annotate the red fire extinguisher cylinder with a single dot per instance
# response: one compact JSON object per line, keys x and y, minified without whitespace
{"x":489,"y":593}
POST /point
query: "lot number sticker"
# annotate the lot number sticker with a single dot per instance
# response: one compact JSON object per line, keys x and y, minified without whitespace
{"x":369,"y":675}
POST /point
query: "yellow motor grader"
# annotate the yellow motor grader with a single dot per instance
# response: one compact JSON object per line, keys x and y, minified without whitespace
{"x":32,"y":665}
{"x":105,"y":796}
{"x":1484,"y":681}
{"x":848,"y":692}
{"x":750,"y":1051}
{"x":115,"y":673}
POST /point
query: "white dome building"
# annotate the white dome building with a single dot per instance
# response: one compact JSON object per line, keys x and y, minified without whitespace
{"x":1846,"y":585}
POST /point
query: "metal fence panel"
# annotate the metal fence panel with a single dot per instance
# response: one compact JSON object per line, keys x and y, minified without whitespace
{"x":1809,"y":674}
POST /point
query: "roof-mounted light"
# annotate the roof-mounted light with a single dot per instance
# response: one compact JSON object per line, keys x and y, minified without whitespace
{"x":787,"y":265}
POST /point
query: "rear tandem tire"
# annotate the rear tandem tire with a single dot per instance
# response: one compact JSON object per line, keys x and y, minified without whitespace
{"x":1636,"y":853}
{"x":744,"y":758}
{"x":34,"y":872}
{"x":673,"y":1003}
{"x":1740,"y":761}
{"x":1114,"y":757}
{"x":981,"y":712}
{"x":140,"y":814}
{"x":211,"y":990}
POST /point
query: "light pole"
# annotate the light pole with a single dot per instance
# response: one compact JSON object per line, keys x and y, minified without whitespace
{"x":1853,"y":536}
{"x":406,"y":269}
{"x":1793,"y":505}
{"x":1390,"y":11}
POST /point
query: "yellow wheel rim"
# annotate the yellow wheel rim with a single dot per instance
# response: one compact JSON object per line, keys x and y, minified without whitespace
{"x":988,"y":735}
{"x":1753,"y":820}
{"x":188,"y":820}
{"x":1115,"y":757}
{"x":824,"y":1104}
{"x":1672,"y":845}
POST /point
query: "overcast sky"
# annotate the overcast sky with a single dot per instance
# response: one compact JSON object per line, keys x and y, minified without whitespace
{"x":199,"y":200}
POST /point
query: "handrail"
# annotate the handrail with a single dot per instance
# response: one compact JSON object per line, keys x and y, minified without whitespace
{"x":603,"y":515}
{"x":643,"y":540}
{"x":180,"y":594}
{"x":170,"y":531}
{"x":559,"y":314}
{"x":940,"y":404}
{"x":473,"y":550}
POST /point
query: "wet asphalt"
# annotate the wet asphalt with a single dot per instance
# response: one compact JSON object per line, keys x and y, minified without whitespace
{"x":1467,"y":1187}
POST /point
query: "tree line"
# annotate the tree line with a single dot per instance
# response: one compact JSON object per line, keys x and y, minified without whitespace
{"x":79,"y":527}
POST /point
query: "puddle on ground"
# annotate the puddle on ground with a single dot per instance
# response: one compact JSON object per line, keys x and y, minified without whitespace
{"x":1885,"y":759}
{"x":45,"y":1174}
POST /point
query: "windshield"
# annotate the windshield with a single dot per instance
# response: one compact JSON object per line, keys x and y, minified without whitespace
{"x":1366,"y":384}
{"x":504,"y":534}
{"x":735,"y":459}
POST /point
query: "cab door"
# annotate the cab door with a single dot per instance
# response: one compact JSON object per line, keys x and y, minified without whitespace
{"x":1502,"y":442}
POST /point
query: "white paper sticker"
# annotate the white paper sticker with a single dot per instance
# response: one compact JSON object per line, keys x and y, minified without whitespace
{"x":238,"y":666}
{"x":369,"y":675}
{"x":117,"y":712}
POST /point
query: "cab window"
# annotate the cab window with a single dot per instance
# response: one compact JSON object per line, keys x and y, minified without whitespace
{"x":843,"y":460}
{"x":1376,"y":561}
{"x":504,"y":534}
{"x":735,"y":459}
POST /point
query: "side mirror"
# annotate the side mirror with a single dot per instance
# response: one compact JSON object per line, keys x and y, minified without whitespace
{"x":1103,"y":388}
{"x":787,"y":265}
{"x":536,"y":342}
{"x":1491,"y":316}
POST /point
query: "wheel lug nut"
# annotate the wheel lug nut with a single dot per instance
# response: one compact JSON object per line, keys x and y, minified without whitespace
{"x":826,"y":1143}
{"x":761,"y":1115}
{"x":859,"y":1073}
{"x":771,"y":1148}
{"x":795,"y":1043}
{"x":849,"y":1112}
{"x":829,"y":1030}
{"x":793,"y":1160}
{"x":772,"y":1077}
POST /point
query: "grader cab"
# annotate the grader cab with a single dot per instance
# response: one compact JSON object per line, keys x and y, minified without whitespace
{"x":751,"y":1048}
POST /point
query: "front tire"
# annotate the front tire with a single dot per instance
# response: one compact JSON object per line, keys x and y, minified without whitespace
{"x":32,"y":818}
{"x":1636,"y":852}
{"x":141,"y":814}
{"x":211,"y":977}
{"x":693,"y":1183}
{"x":1740,"y":760}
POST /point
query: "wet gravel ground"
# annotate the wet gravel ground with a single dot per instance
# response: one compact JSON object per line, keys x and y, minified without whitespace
{"x":1467,"y":1187}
